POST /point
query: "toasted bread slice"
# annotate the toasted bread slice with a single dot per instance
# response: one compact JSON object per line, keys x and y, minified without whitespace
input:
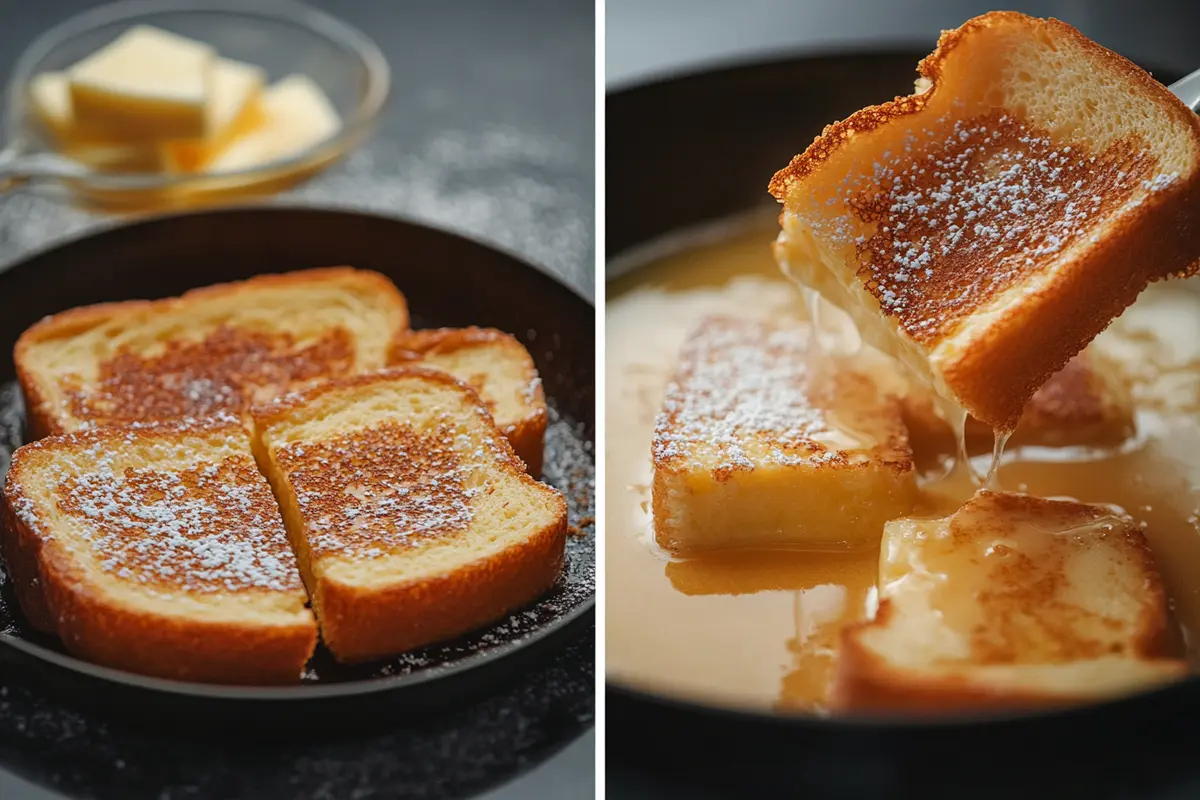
{"x":1012,"y":602}
{"x":984,"y":230}
{"x":1086,"y":403}
{"x":214,"y":349}
{"x":160,"y":550}
{"x":411,"y":516}
{"x":759,"y":443}
{"x":499,"y":369}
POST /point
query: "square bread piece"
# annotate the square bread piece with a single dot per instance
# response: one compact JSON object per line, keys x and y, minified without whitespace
{"x":1087,"y":403}
{"x":1012,"y":602}
{"x":413,"y":520}
{"x":499,"y":369}
{"x":986,"y":228}
{"x":217,"y":349}
{"x":760,"y":442}
{"x":158,"y":550}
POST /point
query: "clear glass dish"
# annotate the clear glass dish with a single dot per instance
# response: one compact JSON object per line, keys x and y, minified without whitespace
{"x":281,"y":36}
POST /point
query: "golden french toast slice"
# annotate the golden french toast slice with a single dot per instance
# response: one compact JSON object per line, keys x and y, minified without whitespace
{"x":1011,"y":602}
{"x":160,"y":550}
{"x":985,"y":229}
{"x":211,"y":350}
{"x":499,"y":369}
{"x":760,"y":443}
{"x":1086,"y":403}
{"x":412,"y":518}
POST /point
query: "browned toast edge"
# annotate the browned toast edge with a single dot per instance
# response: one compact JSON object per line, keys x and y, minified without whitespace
{"x":55,"y":599}
{"x":865,"y":683}
{"x":360,"y":625}
{"x":528,"y":435}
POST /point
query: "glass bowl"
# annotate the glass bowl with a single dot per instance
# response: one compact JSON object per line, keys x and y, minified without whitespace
{"x":280,"y":36}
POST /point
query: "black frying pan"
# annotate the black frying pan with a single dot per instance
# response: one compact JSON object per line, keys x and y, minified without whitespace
{"x":448,"y":281}
{"x":701,"y":147}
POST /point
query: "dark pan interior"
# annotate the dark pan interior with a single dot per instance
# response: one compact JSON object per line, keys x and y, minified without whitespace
{"x":448,"y":281}
{"x":702,"y":147}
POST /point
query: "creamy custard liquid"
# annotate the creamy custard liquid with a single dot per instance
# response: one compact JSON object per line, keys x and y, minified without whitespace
{"x":759,"y":629}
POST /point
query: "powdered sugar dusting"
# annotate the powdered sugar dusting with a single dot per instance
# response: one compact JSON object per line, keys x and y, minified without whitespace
{"x":365,"y":493}
{"x":211,"y":528}
{"x":962,"y":213}
{"x":736,"y":380}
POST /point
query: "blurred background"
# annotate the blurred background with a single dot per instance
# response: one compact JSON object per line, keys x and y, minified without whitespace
{"x":649,"y":38}
{"x":489,"y":131}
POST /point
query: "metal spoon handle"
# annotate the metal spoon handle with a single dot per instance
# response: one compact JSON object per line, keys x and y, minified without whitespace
{"x":20,"y":167}
{"x":1188,"y":90}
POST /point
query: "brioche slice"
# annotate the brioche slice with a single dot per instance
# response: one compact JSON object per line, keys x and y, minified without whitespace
{"x":158,"y":550}
{"x":985,"y":229}
{"x":499,"y":369}
{"x":1011,"y":602}
{"x":1086,"y":403}
{"x":412,"y":518}
{"x":759,"y":443}
{"x":214,"y":349}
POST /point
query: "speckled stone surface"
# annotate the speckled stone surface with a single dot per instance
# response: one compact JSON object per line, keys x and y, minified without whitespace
{"x":489,"y":133}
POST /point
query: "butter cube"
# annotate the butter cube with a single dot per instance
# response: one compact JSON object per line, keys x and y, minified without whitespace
{"x":50,"y":101}
{"x":233,"y":109}
{"x":296,"y":115}
{"x":116,"y":157}
{"x":146,"y":85}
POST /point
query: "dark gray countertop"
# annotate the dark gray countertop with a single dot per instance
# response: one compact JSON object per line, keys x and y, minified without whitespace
{"x":490,"y":132}
{"x":655,"y":37}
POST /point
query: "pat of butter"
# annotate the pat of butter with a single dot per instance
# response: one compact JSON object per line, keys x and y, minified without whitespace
{"x":50,"y":101}
{"x":296,"y":115}
{"x":113,"y":157}
{"x":233,"y":109}
{"x":146,"y":85}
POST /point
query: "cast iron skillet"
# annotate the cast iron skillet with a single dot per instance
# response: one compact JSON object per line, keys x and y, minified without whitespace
{"x":448,"y":281}
{"x":702,"y":147}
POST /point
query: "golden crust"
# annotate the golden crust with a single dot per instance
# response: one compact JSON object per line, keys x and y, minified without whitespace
{"x":867,"y":683}
{"x":57,"y":597}
{"x":45,"y":420}
{"x":1019,"y":588}
{"x":1081,"y":404}
{"x":360,"y":623}
{"x":527,"y":434}
{"x":837,"y":134}
{"x":1031,"y":341}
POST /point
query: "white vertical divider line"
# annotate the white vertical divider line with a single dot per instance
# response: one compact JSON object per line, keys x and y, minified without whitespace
{"x":601,"y":488}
